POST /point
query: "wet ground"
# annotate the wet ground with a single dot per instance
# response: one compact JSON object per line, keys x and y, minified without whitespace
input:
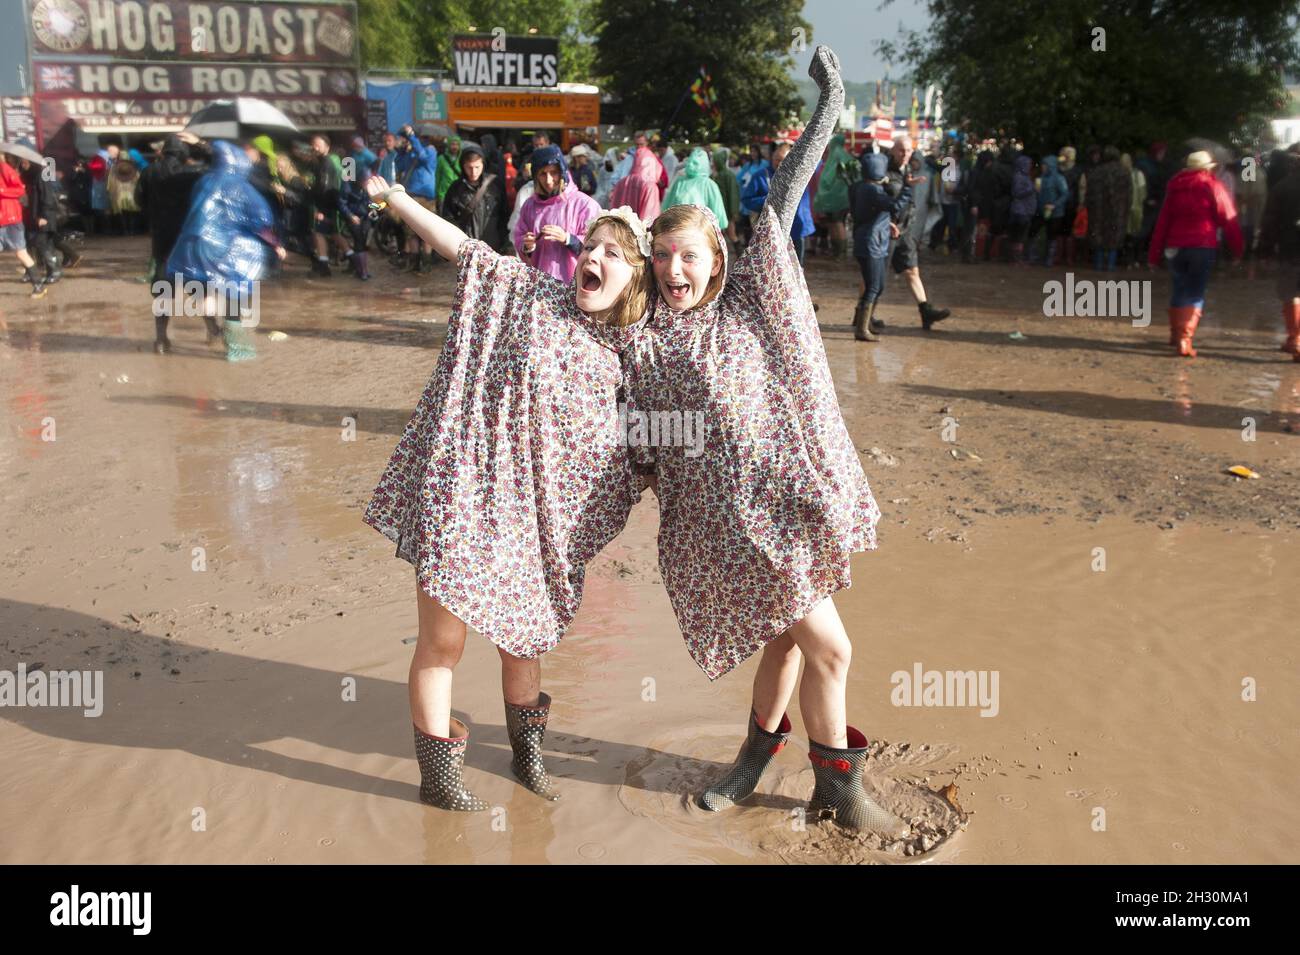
{"x":1056,"y":510}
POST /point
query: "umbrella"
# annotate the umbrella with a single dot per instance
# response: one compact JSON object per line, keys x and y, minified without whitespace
{"x":22,"y":151}
{"x":239,"y":118}
{"x":1222,"y":154}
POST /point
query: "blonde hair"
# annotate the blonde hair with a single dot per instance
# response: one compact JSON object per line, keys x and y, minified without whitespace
{"x":631,"y":303}
{"x":683,"y":219}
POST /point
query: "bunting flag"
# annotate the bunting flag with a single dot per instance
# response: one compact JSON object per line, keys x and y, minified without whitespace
{"x":705,"y":96}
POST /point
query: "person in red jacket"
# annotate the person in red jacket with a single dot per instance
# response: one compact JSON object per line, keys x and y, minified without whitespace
{"x":12,"y":236}
{"x":1196,"y":206}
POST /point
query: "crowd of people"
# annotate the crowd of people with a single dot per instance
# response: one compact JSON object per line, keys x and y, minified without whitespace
{"x":981,"y":200}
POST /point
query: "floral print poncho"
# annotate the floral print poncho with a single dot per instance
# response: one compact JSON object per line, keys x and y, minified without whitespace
{"x":510,"y":476}
{"x":758,"y":528}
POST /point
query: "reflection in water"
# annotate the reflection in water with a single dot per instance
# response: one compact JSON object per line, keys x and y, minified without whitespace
{"x":888,"y":365}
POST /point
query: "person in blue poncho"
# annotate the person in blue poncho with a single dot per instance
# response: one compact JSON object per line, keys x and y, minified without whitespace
{"x":224,"y":244}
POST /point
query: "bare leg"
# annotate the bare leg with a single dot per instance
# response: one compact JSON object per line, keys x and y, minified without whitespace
{"x":521,"y":680}
{"x":437,"y":651}
{"x":25,"y":259}
{"x":826,"y":647}
{"x":913,"y":277}
{"x":778,"y":672}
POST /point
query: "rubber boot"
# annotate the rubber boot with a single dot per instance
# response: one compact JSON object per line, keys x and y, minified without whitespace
{"x":239,"y":341}
{"x":1185,"y":319}
{"x":862,"y":324}
{"x":38,"y":283}
{"x":320,"y":267}
{"x":857,"y":314}
{"x":1017,"y":253}
{"x":758,"y":750}
{"x":875,"y":323}
{"x":161,"y":344}
{"x":930,"y":314}
{"x":526,"y":726}
{"x":52,"y":271}
{"x":419,"y":267}
{"x":838,"y":793}
{"x":838,"y":247}
{"x":214,"y":329}
{"x":441,"y":761}
{"x":360,"y":265}
{"x":1051,"y":252}
{"x":1291,"y":318}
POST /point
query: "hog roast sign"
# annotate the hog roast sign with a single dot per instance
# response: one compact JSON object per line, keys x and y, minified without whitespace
{"x":145,"y":65}
{"x":153,"y":30}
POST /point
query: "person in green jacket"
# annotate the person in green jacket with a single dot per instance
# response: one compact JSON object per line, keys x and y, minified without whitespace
{"x":694,"y":187}
{"x":448,"y":166}
{"x":832,"y":199}
{"x":729,"y":187}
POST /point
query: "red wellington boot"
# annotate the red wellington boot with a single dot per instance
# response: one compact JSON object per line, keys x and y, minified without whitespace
{"x":1185,"y":320}
{"x":1291,"y":316}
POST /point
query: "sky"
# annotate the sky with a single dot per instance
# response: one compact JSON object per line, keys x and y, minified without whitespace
{"x":853,"y":27}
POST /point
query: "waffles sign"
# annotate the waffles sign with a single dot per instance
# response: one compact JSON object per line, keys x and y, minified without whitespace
{"x":173,"y":30}
{"x":500,"y":60}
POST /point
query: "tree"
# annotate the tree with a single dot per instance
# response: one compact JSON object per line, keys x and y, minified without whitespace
{"x":649,"y":52}
{"x":412,"y":34}
{"x":1106,"y":71}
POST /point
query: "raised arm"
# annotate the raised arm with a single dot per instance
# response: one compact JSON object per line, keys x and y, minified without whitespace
{"x":797,"y":168}
{"x":443,"y":237}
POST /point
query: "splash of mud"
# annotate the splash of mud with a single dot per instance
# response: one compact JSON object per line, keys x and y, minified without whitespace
{"x":663,"y":783}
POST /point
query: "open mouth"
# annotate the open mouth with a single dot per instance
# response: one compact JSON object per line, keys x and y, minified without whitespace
{"x":591,"y":281}
{"x":677,"y":292}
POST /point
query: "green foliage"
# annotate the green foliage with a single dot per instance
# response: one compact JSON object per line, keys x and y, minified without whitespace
{"x":1171,"y":69}
{"x":410,"y":34}
{"x":649,"y":52}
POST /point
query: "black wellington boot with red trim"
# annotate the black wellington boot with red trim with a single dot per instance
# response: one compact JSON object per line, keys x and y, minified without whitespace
{"x":838,"y":793}
{"x":758,"y":750}
{"x":441,"y":760}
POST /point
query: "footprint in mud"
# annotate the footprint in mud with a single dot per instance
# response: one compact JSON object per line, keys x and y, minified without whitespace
{"x":663,"y":784}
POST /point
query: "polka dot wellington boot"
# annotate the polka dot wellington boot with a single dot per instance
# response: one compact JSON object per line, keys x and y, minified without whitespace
{"x":838,"y":793}
{"x":441,"y":761}
{"x":527,"y":728}
{"x":758,"y":750}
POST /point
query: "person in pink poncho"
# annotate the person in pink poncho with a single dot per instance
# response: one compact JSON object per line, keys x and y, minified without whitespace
{"x":554,"y":218}
{"x":639,"y":189}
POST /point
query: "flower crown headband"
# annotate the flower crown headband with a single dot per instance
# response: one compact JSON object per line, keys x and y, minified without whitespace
{"x":629,"y":218}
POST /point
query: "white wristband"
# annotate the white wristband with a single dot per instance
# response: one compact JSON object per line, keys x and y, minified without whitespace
{"x":395,"y":187}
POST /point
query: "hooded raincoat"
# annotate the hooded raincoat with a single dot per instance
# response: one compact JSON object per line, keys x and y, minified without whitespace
{"x":510,"y":475}
{"x":695,"y":187}
{"x":229,"y":231}
{"x":727,"y":184}
{"x":758,"y":514}
{"x":569,"y":209}
{"x":837,"y":176}
{"x":639,"y":189}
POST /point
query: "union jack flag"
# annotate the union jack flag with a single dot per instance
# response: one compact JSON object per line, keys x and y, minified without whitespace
{"x":57,"y":78}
